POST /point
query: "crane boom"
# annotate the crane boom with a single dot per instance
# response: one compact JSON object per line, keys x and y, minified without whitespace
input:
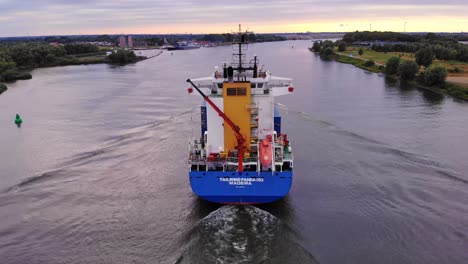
{"x":240,"y":139}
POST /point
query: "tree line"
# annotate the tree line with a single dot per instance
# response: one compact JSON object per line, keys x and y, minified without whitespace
{"x":17,"y":58}
{"x":430,"y":75}
{"x":228,"y":37}
{"x":73,"y":49}
{"x":406,"y":70}
{"x":123,"y":57}
{"x":159,"y":40}
{"x":401,"y":37}
{"x":442,"y":51}
{"x":443,"y":47}
{"x":38,"y":54}
{"x":378,"y":36}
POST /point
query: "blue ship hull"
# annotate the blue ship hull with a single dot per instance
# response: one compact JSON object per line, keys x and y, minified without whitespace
{"x":248,"y":187}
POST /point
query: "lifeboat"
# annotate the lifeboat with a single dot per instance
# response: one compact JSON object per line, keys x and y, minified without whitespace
{"x":265,"y":153}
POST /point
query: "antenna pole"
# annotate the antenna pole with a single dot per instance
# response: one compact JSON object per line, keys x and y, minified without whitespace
{"x":240,"y":52}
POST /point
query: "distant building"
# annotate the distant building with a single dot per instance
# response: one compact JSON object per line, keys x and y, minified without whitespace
{"x":138,"y":43}
{"x":129,"y":41}
{"x":122,"y":42}
{"x":126,"y":41}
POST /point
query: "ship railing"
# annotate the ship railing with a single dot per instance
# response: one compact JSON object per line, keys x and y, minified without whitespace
{"x":278,"y":156}
{"x":208,"y":85}
{"x":216,"y":95}
{"x":244,"y":160}
{"x":274,"y":84}
{"x":245,"y":74}
{"x":215,"y":159}
{"x":197,"y":159}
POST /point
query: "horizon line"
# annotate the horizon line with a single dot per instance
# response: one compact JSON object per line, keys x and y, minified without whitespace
{"x":306,"y":32}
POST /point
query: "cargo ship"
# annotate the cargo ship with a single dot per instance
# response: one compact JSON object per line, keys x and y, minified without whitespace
{"x":242,"y":155}
{"x":183,"y":46}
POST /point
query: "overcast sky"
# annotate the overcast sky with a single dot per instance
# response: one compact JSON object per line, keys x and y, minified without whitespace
{"x":53,"y":17}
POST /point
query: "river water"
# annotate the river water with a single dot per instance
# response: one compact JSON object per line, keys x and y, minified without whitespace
{"x":97,"y":173}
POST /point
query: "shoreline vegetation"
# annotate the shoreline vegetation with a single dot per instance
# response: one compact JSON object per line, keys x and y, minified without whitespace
{"x":431,"y":62}
{"x":19,"y":56}
{"x":18,"y":60}
{"x":3,"y":88}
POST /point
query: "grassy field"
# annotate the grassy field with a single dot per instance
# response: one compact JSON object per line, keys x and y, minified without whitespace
{"x":452,"y":65}
{"x":457,"y":83}
{"x":382,"y":58}
{"x":359,"y":63}
{"x":379,"y":57}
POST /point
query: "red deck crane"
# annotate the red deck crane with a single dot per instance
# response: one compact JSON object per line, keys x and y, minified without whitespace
{"x":240,"y":139}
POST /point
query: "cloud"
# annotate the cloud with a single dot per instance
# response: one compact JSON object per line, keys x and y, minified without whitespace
{"x":39,"y":17}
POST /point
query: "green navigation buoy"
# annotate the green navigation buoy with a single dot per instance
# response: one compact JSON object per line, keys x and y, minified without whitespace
{"x":18,"y":119}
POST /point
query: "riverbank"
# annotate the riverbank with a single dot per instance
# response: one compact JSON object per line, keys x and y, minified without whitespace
{"x":23,"y":72}
{"x":360,"y":63}
{"x":82,"y":139}
{"x":118,"y":58}
{"x":3,"y":88}
{"x":150,"y":57}
{"x":451,"y":88}
{"x":455,"y":91}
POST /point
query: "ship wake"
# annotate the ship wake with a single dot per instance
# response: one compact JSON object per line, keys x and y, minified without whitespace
{"x":242,"y":234}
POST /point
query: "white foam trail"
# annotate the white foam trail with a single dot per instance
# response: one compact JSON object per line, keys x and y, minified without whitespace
{"x":242,"y":234}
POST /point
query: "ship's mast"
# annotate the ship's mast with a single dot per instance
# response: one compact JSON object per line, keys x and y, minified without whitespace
{"x":242,"y":40}
{"x":235,"y":128}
